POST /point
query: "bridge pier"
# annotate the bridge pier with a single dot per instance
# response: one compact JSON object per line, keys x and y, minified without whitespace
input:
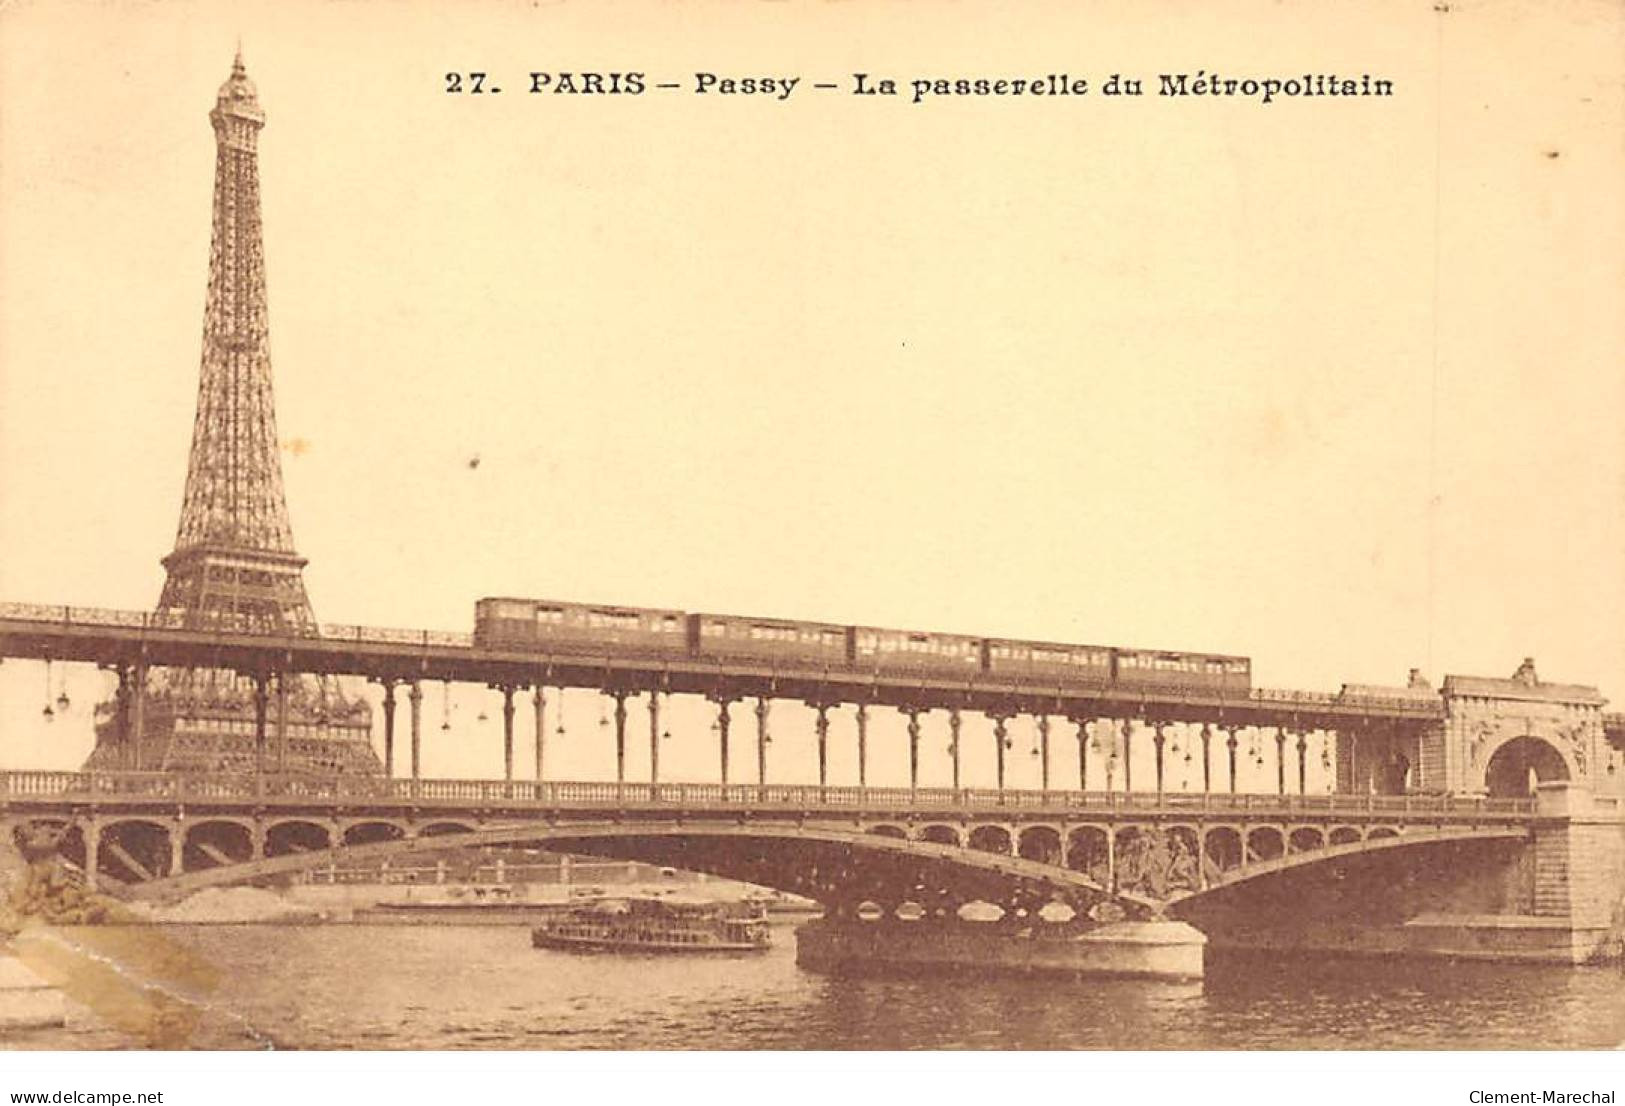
{"x":954,"y":722}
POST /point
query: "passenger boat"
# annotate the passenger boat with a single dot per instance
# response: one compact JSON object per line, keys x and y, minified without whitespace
{"x":654,"y":925}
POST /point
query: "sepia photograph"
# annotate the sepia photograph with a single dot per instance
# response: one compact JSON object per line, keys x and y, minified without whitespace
{"x":812,"y":527}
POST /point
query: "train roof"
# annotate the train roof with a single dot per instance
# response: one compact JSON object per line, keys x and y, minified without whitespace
{"x":619,"y":608}
{"x":772,"y":620}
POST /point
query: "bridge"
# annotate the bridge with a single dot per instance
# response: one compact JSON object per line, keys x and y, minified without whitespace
{"x":166,"y":835}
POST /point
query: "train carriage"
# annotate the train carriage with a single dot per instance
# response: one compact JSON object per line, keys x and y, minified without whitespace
{"x":776,"y":642}
{"x":1151,"y":668}
{"x":908,"y":652}
{"x":1049,"y":664}
{"x":545,"y":626}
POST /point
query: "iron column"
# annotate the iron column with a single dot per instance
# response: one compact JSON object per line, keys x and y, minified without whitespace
{"x":654,"y":738}
{"x":620,"y":735}
{"x":539,"y":706}
{"x":913,"y":748}
{"x":260,"y":697}
{"x":282,"y":720}
{"x":1000,"y":743}
{"x":1043,"y":752}
{"x":1086,"y":729}
{"x":389,"y":727}
{"x":953,"y":742}
{"x":722,"y":701}
{"x":414,"y":699}
{"x":822,"y":726}
{"x":507,"y":731}
{"x":863,"y":745}
{"x":761,"y":740}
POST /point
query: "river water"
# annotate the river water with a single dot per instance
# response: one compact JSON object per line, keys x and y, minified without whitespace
{"x":475,"y":987}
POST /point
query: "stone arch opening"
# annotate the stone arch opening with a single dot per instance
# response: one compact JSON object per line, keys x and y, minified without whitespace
{"x":940,"y":835}
{"x":1088,"y":851}
{"x":287,"y":838}
{"x":1222,"y":846}
{"x":990,"y":839}
{"x":440,"y":829}
{"x":896,"y":832}
{"x":1040,"y":843}
{"x":1306,"y":839}
{"x":1265,"y":843}
{"x":213,"y":844}
{"x":371,"y":833}
{"x":1345,"y":835}
{"x":134,"y":850}
{"x":1519,"y":764}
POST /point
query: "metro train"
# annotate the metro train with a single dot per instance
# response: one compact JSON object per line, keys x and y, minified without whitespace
{"x":563,"y":629}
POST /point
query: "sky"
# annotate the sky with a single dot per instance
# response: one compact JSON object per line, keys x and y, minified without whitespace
{"x":1333,"y":384}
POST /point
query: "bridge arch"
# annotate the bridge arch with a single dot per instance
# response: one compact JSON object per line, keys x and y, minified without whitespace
{"x":1265,"y":842}
{"x":1305,"y":839}
{"x":211,"y":841}
{"x":440,"y":828}
{"x":887,"y":829}
{"x":837,"y":865}
{"x":1344,"y":835}
{"x":135,"y":848}
{"x":1286,"y":862}
{"x":1517,"y":763}
{"x":940,"y":834}
{"x":372,"y":831}
{"x":990,"y":838}
{"x":1042,"y":843}
{"x":1222,"y":847}
{"x":1088,"y":850}
{"x":297,"y":835}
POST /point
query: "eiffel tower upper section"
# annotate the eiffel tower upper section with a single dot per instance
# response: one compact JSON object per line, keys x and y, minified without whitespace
{"x":234,"y":557}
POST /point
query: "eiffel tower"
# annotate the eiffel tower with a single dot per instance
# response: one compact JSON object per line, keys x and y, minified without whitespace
{"x":234,"y":564}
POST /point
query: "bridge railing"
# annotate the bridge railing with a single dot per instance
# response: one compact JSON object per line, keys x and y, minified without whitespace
{"x":225,"y":622}
{"x":97,"y":787}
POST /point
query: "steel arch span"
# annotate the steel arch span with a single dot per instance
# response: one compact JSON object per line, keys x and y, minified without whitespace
{"x":836,"y":865}
{"x":1410,"y":839}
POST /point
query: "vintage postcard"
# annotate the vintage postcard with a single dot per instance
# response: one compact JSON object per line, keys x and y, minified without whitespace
{"x":813,"y":526}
